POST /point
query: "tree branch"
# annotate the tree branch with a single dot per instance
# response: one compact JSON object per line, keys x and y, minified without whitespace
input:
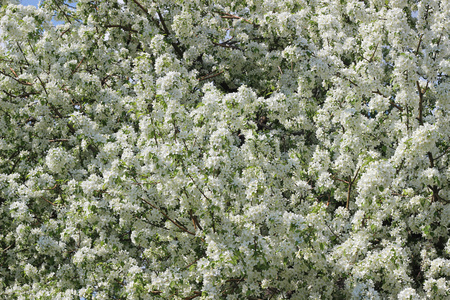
{"x":128,"y":28}
{"x":168,"y":218}
{"x":209,"y":76}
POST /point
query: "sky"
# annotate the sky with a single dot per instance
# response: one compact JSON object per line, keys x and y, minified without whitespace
{"x":29,"y":2}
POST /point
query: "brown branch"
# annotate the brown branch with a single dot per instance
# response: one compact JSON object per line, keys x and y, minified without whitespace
{"x":128,"y":28}
{"x":334,"y":233}
{"x":72,"y":130}
{"x":236,"y":279}
{"x":49,"y":201}
{"x":56,"y":111}
{"x":390,"y":101}
{"x":156,"y":292}
{"x":350,"y":184}
{"x":104,"y":79}
{"x":373,"y":54}
{"x":434,"y":193}
{"x":438,"y":43}
{"x":13,"y":72}
{"x":54,"y":187}
{"x":395,"y":105}
{"x":349,"y":190}
{"x":24,"y":95}
{"x":64,"y":32}
{"x":63,"y":12}
{"x":201,"y":192}
{"x":435,"y":190}
{"x":195,"y":221}
{"x":346,"y":182}
{"x":196,"y":294}
{"x":167,"y":32}
{"x":357,"y":172}
{"x":421,"y":93}
{"x":3,"y":250}
{"x":209,"y":76}
{"x":397,"y":194}
{"x":230,"y":16}
{"x":227,"y":44}
{"x":39,"y":78}
{"x":168,"y":218}
{"x":418,"y":45}
{"x":76,"y":68}
{"x":352,"y":82}
{"x":148,"y":15}
{"x":195,"y":261}
{"x":445,"y":151}
{"x":192,"y":179}
{"x":141,"y":7}
{"x":163,"y":23}
{"x":430,"y":158}
{"x":31,"y":48}
{"x":43,"y":85}
{"x":18,"y":80}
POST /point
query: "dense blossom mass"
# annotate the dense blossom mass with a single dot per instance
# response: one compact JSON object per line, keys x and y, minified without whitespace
{"x":248,"y":149}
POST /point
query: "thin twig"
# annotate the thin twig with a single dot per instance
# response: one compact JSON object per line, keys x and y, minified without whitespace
{"x":421,"y":93}
{"x":56,"y":111}
{"x":192,"y":179}
{"x":167,"y":32}
{"x":128,"y":28}
{"x":349,"y":190}
{"x":156,"y":292}
{"x":141,"y":7}
{"x":445,"y":151}
{"x":49,"y":201}
{"x":344,"y":181}
{"x":420,"y":42}
{"x":196,"y":294}
{"x":64,"y":32}
{"x":54,"y":187}
{"x":352,"y":82}
{"x":390,"y":101}
{"x":373,"y":54}
{"x":24,"y":95}
{"x":350,"y":184}
{"x":334,"y":233}
{"x":357,"y":172}
{"x":395,"y":105}
{"x":3,"y":250}
{"x":168,"y":218}
{"x":195,"y":261}
{"x":349,"y":80}
{"x":209,"y":76}
{"x":13,"y":72}
{"x":64,"y":13}
{"x":18,"y":80}
{"x":76,"y":68}
{"x":228,"y":44}
{"x":230,"y":16}
{"x":163,"y":23}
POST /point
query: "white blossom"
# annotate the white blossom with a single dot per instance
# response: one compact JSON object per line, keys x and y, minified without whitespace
{"x":225,"y":149}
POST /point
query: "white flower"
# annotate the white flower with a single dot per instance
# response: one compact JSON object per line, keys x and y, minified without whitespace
{"x":58,"y":160}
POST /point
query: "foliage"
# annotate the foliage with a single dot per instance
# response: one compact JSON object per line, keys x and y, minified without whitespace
{"x":248,"y":149}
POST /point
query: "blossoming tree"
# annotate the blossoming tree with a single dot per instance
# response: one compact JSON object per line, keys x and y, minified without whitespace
{"x":248,"y":149}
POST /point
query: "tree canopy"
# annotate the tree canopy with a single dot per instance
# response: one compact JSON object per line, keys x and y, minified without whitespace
{"x":247,"y":149}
